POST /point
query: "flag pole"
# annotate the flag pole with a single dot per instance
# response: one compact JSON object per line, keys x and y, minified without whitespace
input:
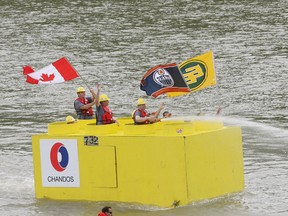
{"x":191,"y":92}
{"x":85,"y":82}
{"x":197,"y":104}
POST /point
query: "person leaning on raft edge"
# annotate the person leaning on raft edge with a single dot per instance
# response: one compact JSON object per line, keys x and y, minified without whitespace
{"x":141,"y":116}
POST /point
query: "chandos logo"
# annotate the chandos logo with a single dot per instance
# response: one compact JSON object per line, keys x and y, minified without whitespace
{"x":163,"y":78}
{"x":59,"y":157}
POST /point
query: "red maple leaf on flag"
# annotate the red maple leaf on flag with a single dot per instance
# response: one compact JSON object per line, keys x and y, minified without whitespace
{"x":46,"y":78}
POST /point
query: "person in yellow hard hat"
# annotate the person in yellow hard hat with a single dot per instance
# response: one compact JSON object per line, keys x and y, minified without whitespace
{"x":104,"y":115}
{"x":70,"y":120}
{"x":142,"y":116}
{"x":83,"y":105}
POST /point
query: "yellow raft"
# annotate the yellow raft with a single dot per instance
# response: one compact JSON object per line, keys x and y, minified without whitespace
{"x":164,"y":164}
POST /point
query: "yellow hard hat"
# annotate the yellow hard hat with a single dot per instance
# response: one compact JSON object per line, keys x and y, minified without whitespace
{"x":70,"y":119}
{"x":80,"y":89}
{"x":103,"y":97}
{"x":140,"y":101}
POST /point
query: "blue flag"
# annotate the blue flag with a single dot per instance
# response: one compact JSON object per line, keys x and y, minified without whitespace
{"x":163,"y":79}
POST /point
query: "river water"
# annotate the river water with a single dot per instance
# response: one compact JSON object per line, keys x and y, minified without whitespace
{"x":114,"y":43}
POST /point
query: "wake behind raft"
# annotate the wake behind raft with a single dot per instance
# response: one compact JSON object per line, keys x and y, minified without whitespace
{"x":165,"y":164}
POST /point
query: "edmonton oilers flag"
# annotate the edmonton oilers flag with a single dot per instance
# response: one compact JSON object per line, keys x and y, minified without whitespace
{"x":163,"y":79}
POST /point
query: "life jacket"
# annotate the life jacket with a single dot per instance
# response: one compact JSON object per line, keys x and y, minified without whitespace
{"x":101,"y":214}
{"x":107,"y":116}
{"x":85,"y":112}
{"x":143,"y":113}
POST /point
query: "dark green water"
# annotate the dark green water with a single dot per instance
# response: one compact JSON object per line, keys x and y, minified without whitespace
{"x":114,"y":43}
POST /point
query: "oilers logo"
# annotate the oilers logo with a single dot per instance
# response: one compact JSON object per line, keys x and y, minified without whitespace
{"x":59,"y":157}
{"x":163,"y":78}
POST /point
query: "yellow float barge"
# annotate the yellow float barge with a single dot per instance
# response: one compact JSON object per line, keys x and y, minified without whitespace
{"x":165,"y":164}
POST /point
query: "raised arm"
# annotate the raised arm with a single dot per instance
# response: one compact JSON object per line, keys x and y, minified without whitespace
{"x":97,"y":95}
{"x":87,"y":106}
{"x":162,"y":105}
{"x":93,"y":94}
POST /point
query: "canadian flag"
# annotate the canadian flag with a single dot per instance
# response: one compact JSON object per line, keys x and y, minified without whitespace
{"x":57,"y":72}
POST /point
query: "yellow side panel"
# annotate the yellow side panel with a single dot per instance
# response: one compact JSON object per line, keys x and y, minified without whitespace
{"x":97,"y":166}
{"x":37,"y":167}
{"x":214,"y":163}
{"x":150,"y":169}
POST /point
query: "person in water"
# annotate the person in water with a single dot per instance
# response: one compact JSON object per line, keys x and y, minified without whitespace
{"x":104,"y":115}
{"x":83,"y":105}
{"x":141,"y":115}
{"x":167,"y":114}
{"x":106,"y":211}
